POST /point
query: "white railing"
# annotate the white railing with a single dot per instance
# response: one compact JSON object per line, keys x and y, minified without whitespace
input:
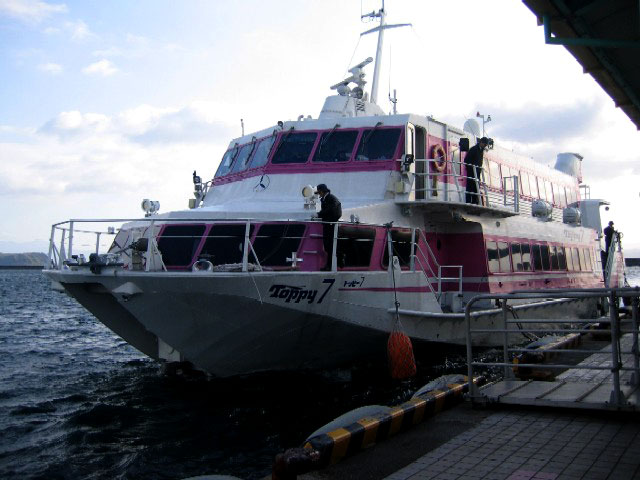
{"x":430,"y":261}
{"x":447,"y":186}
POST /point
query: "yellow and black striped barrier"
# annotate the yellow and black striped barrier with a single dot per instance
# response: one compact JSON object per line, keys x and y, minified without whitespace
{"x":329,"y":448}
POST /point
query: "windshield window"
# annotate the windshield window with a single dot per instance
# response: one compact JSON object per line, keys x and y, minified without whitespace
{"x":225,"y":163}
{"x":335,"y":146}
{"x":262,"y":152}
{"x":294,"y":147}
{"x":378,"y":144}
{"x":242,"y":160}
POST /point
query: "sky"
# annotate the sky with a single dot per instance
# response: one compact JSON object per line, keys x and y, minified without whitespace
{"x":103,"y":104}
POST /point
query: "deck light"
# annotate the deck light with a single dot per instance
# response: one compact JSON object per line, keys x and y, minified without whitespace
{"x":150,"y":207}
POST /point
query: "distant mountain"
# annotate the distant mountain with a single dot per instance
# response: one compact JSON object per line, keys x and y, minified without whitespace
{"x":22,"y":259}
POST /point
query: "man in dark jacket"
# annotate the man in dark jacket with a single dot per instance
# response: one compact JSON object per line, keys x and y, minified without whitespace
{"x":608,"y":236}
{"x":473,"y":164}
{"x":330,"y":211}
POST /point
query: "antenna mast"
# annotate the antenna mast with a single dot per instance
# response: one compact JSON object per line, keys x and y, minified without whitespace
{"x":381,"y":14}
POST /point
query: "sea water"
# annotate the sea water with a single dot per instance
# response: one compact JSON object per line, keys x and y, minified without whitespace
{"x":77,"y":402}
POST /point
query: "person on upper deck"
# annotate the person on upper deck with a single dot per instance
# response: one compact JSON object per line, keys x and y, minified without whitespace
{"x":330,"y":211}
{"x":608,"y":237}
{"x":473,"y":165}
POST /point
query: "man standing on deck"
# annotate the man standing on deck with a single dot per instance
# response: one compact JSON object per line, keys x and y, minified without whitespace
{"x":330,"y":211}
{"x":608,"y":237}
{"x":473,"y":164}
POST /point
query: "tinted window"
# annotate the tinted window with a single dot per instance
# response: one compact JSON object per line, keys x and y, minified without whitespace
{"x":533,"y":183}
{"x":178,"y":244}
{"x":494,"y":173}
{"x":544,"y":255}
{"x":576,"y":259}
{"x":569,"y":259}
{"x":585,"y":258}
{"x":548,"y":191}
{"x":225,"y":163}
{"x":355,"y":245}
{"x":224,"y":244}
{"x":492,"y":257}
{"x":517,"y":257}
{"x":562,"y":259}
{"x":401,"y":243}
{"x":537,"y":257}
{"x":378,"y":144}
{"x":525,"y":249}
{"x":555,"y":265}
{"x":335,"y":146}
{"x":261,"y":155}
{"x":503,"y":254}
{"x":294,"y":147}
{"x":524,"y":184}
{"x":242,"y":160}
{"x":275,"y":243}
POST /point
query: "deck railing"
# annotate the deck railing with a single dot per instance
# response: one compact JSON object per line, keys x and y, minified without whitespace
{"x":447,"y":186}
{"x":510,"y":327}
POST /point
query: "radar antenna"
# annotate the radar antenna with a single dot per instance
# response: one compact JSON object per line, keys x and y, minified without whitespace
{"x":380,"y":29}
{"x":357,"y":77}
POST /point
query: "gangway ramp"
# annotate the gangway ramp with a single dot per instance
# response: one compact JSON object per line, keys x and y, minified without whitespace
{"x":607,"y":379}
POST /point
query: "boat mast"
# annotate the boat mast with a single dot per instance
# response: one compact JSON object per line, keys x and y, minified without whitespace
{"x":381,"y":14}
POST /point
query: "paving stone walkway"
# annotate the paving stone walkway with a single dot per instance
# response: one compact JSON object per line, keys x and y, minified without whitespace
{"x":536,"y":445}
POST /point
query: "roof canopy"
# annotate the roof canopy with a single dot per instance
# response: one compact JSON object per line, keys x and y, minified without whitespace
{"x":604,"y":36}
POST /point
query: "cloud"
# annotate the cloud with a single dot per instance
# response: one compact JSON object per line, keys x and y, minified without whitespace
{"x":75,"y":123}
{"x":30,"y":11}
{"x":52,"y":68}
{"x":78,"y":30}
{"x":535,"y":122}
{"x":185,"y":125}
{"x":102,"y":67}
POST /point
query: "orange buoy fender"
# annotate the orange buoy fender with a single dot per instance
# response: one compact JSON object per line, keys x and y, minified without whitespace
{"x":402,"y":363}
{"x":438,"y":154}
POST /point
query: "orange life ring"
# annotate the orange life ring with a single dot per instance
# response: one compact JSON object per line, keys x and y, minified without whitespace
{"x":438,"y":154}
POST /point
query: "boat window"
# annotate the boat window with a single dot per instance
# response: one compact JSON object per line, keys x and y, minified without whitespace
{"x":555,"y":264}
{"x":576,"y":259}
{"x":178,"y":244}
{"x":587,"y":258}
{"x":242,"y":160}
{"x":355,"y":245}
{"x":503,"y":254}
{"x":516,"y":257}
{"x":224,"y":244}
{"x":401,"y":243}
{"x":524,"y":184}
{"x":492,"y":257}
{"x":263,"y":149}
{"x":562,"y":258}
{"x":537,"y":257}
{"x":335,"y":146}
{"x":294,"y":147}
{"x":569,"y":259}
{"x":525,"y":249}
{"x":378,"y":144}
{"x":533,"y":183}
{"x":274,"y":243}
{"x":549,"y":191}
{"x":494,"y":173}
{"x":544,"y":255}
{"x":558,"y":194}
{"x":226,"y":162}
